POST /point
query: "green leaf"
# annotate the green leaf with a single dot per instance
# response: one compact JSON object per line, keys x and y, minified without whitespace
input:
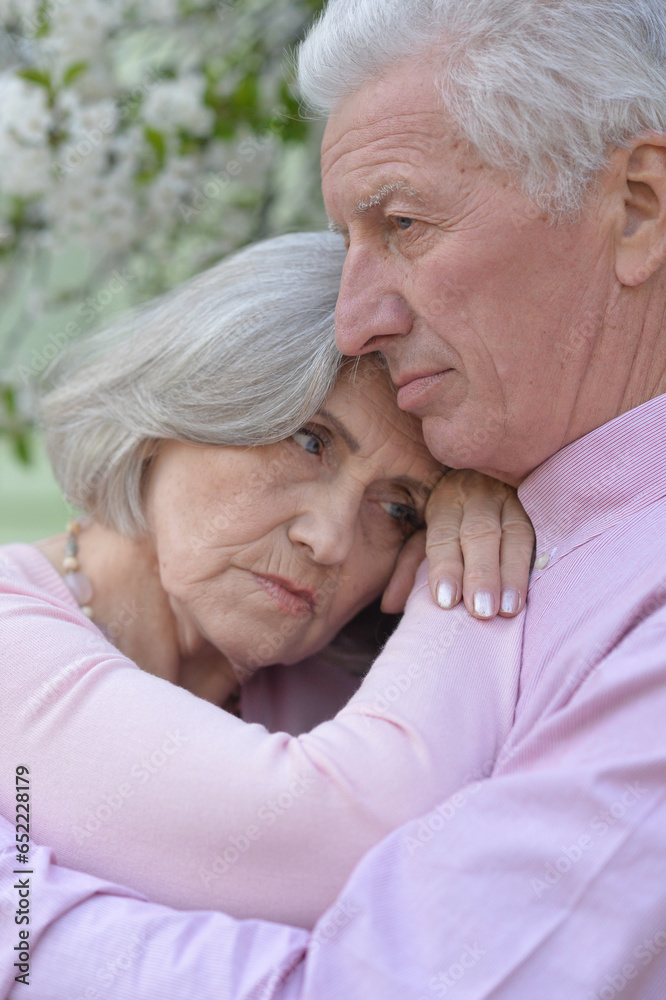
{"x":9,"y":399}
{"x":74,"y":71}
{"x":38,"y":76}
{"x":14,"y":426}
{"x":17,"y":212}
{"x":22,"y":449}
{"x":224,"y":129}
{"x":190,"y":145}
{"x":43,"y":19}
{"x":294,"y":128}
{"x":157,"y":142}
{"x":245,"y":97}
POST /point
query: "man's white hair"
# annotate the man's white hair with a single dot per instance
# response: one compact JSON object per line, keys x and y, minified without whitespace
{"x":241,"y":355}
{"x":545,"y":89}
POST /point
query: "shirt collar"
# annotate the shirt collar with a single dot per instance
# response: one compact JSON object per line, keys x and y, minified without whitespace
{"x":597,"y":481}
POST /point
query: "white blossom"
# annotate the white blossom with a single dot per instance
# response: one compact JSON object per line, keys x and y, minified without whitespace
{"x":93,"y":117}
{"x":78,"y":31}
{"x":25,"y":171}
{"x":173,"y":186}
{"x":24,"y":11}
{"x":174,"y":104}
{"x":25,"y":121}
{"x":157,"y":10}
{"x":24,"y":111}
{"x":76,"y":144}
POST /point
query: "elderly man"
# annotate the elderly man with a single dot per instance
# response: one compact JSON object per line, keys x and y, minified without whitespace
{"x":498,"y":168}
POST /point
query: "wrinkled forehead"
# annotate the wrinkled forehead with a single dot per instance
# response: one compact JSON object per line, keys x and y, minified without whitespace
{"x":406,"y":92}
{"x":394,"y":129}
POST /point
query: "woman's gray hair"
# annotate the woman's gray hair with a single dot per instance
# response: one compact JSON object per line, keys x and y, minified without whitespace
{"x":544,"y":89}
{"x":243,"y":354}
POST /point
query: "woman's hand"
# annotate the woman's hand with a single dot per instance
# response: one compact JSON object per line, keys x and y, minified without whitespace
{"x":479,"y":545}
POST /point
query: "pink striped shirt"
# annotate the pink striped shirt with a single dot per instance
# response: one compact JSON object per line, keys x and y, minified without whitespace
{"x":546,"y":879}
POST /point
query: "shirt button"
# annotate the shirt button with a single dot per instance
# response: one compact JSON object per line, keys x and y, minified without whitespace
{"x":542,"y":561}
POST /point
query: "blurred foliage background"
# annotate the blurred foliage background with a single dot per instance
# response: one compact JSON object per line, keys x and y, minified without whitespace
{"x":139,"y":143}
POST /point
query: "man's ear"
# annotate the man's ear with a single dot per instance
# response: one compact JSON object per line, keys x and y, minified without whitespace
{"x":641,"y":233}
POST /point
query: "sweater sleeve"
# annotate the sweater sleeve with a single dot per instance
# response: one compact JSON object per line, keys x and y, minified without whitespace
{"x":137,"y":781}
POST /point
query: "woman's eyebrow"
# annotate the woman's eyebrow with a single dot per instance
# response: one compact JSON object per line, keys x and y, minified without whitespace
{"x":340,"y":429}
{"x":335,"y":227}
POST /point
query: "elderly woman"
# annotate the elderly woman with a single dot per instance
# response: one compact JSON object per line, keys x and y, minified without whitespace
{"x":249,"y":492}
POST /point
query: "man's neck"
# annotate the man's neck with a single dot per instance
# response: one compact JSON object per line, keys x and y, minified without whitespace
{"x":627,"y":367}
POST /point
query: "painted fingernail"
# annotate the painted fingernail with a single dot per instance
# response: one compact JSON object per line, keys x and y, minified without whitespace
{"x":483,"y":604}
{"x":510,"y":601}
{"x":447,"y":594}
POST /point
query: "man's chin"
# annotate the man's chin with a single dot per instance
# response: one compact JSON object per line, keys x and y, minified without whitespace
{"x":437,"y":436}
{"x":452,"y":445}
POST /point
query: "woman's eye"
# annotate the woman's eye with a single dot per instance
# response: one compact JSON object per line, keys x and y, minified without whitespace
{"x":404,"y":515}
{"x":309,"y":441}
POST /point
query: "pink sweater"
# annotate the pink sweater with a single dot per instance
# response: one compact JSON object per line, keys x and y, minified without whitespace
{"x":137,"y":781}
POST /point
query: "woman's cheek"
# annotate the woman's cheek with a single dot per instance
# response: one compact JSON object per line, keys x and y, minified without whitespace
{"x":370,"y":573}
{"x":187,"y":575}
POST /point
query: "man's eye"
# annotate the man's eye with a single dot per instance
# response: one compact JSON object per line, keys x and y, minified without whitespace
{"x":404,"y":222}
{"x":309,"y":441}
{"x":404,"y":514}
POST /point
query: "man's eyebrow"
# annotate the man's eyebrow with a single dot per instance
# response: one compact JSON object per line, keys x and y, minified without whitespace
{"x":340,"y":429}
{"x":381,"y":196}
{"x":376,"y":200}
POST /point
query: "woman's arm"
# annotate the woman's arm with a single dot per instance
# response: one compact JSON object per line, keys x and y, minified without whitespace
{"x":138,"y":781}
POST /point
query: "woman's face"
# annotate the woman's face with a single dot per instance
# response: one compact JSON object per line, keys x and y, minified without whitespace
{"x":267,"y":552}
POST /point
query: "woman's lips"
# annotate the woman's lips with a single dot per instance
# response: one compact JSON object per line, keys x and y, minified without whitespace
{"x":419,"y":391}
{"x":291,"y":598}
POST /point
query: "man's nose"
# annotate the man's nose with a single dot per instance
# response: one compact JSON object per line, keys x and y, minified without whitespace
{"x":369,"y":307}
{"x":326,"y":525}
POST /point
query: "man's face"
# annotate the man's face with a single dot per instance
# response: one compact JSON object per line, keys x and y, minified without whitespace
{"x":486,"y":312}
